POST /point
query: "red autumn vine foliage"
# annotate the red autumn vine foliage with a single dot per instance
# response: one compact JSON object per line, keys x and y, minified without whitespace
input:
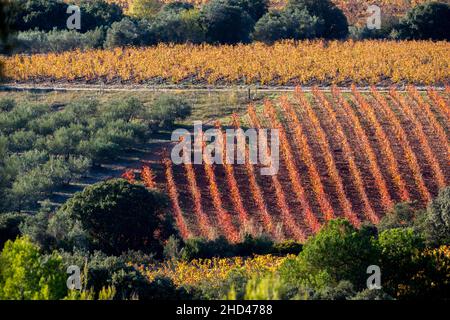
{"x":129,"y":175}
{"x":346,"y":153}
{"x":148,"y":177}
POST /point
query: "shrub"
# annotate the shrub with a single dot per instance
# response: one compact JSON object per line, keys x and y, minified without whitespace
{"x":122,"y":33}
{"x":342,"y":291}
{"x":398,"y":249}
{"x":100,"y":268}
{"x":255,"y":8}
{"x":118,"y":216}
{"x":131,"y":284}
{"x":368,"y":294}
{"x":263,"y":288}
{"x":36,"y":41}
{"x":35,"y":227}
{"x":9,"y":226}
{"x":286,"y":24}
{"x":40,"y":14}
{"x":287,"y":247}
{"x":333,"y":23}
{"x":166,"y":109}
{"x":177,"y":26}
{"x":98,"y":13}
{"x":26,"y":274}
{"x":177,"y":7}
{"x":337,"y":252}
{"x":425,"y":21}
{"x":7,"y":104}
{"x":145,"y":9}
{"x":225,"y":22}
{"x":431,"y":281}
{"x":402,"y":215}
{"x":437,"y":219}
{"x":21,"y":140}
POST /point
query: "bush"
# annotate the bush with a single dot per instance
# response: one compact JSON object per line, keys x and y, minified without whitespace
{"x":177,"y":26}
{"x":176,"y":7}
{"x":123,"y":33}
{"x":131,"y":284}
{"x":255,"y":8}
{"x":118,"y":216}
{"x":286,"y":24}
{"x":342,"y":291}
{"x":98,"y":13}
{"x":100,"y":268}
{"x":225,"y":22}
{"x":9,"y":226}
{"x":36,"y":41}
{"x":35,"y":227}
{"x":333,"y":23}
{"x":368,"y":294}
{"x":402,"y":215}
{"x":7,"y":105}
{"x":437,"y":219}
{"x":398,"y":249}
{"x":337,"y":252}
{"x":145,"y":9}
{"x":166,"y":109}
{"x":26,"y":274}
{"x":425,"y":21}
{"x":39,"y":14}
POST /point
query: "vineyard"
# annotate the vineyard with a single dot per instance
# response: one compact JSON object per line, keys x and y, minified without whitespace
{"x":341,"y":155}
{"x":284,"y":63}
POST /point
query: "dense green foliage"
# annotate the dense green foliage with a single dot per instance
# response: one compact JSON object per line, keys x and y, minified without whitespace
{"x":426,"y":21}
{"x":115,"y":216}
{"x":332,"y":265}
{"x":217,"y":21}
{"x":26,"y":274}
{"x":302,"y":19}
{"x":44,"y":147}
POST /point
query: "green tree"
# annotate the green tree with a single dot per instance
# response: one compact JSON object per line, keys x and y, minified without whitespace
{"x":118,"y":216}
{"x":340,"y":251}
{"x":333,"y":24}
{"x":166,"y":109}
{"x":123,"y":33}
{"x":255,"y":8}
{"x":402,"y":215}
{"x":41,"y":14}
{"x":98,"y":13}
{"x":437,"y":219}
{"x":225,"y":22}
{"x":177,"y":26}
{"x":9,"y":226}
{"x":294,"y":24}
{"x":25,"y":274}
{"x":145,"y":9}
{"x":425,"y":21}
{"x":398,"y":250}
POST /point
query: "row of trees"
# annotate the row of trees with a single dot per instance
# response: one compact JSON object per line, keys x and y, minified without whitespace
{"x":43,"y":149}
{"x":218,"y":21}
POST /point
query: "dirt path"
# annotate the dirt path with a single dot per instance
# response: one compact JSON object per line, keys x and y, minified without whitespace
{"x":50,"y":87}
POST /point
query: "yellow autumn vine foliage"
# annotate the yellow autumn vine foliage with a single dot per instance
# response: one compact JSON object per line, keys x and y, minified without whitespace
{"x":215,"y":269}
{"x":284,"y":63}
